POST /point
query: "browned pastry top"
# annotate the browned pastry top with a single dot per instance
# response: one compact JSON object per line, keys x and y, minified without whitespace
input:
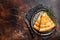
{"x":44,"y":23}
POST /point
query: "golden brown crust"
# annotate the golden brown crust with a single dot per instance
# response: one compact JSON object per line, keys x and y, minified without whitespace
{"x":35,"y":27}
{"x":46,"y":23}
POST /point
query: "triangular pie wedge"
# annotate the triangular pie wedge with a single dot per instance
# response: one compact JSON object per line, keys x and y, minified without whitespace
{"x":43,"y":23}
{"x":46,"y":23}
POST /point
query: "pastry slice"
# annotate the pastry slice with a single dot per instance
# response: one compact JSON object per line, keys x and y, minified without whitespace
{"x":46,"y":23}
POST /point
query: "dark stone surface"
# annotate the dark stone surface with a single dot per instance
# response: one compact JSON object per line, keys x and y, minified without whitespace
{"x":13,"y":26}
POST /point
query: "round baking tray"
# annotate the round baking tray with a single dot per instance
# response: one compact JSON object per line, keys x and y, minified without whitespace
{"x":35,"y":16}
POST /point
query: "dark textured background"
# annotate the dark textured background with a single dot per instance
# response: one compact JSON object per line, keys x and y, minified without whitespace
{"x":12,"y":23}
